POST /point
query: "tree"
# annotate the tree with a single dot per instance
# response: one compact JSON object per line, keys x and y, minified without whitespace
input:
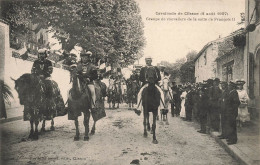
{"x":107,"y":28}
{"x":191,"y":55}
{"x":187,"y":70}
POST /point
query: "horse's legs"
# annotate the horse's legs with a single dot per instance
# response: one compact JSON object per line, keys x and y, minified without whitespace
{"x":109,"y":105}
{"x":93,"y":128}
{"x":154,"y":127}
{"x":167,"y":122}
{"x":148,"y":123}
{"x":43,"y":126}
{"x":113,"y":104}
{"x":31,"y":131}
{"x":76,"y":137}
{"x":35,"y":135}
{"x":118,"y":104}
{"x":144,"y":123}
{"x":86,"y":124}
{"x":52,"y":125}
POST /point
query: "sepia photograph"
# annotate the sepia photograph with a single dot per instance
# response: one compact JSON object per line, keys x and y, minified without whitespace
{"x":141,"y":82}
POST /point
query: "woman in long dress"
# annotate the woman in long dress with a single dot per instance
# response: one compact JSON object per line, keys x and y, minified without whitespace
{"x":243,"y":114}
{"x":183,"y":96}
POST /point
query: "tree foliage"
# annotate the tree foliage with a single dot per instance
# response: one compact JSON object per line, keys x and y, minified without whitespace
{"x":187,"y":70}
{"x":110,"y":28}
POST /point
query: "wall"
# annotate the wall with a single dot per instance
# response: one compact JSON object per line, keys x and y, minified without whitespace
{"x":205,"y":68}
{"x":16,"y":67}
{"x":253,"y":45}
{"x":238,"y":68}
{"x":4,"y":45}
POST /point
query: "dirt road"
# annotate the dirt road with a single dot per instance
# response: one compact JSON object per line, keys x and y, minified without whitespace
{"x":118,"y":140}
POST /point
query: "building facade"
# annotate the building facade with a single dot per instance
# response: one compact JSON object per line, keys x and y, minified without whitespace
{"x":205,"y":64}
{"x":251,"y":55}
{"x":230,"y":60}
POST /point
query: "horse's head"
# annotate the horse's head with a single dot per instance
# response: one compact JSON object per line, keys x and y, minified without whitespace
{"x":25,"y":87}
{"x":165,"y":83}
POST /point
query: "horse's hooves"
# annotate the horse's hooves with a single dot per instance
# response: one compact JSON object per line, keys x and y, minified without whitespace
{"x":148,"y":129}
{"x":145,"y":134}
{"x":76,"y":138}
{"x":138,"y":112}
{"x":92,"y":132}
{"x":43,"y":130}
{"x":155,"y":142}
{"x":35,"y":136}
{"x":52,"y":128}
{"x":86,"y":138}
{"x":30,"y":136}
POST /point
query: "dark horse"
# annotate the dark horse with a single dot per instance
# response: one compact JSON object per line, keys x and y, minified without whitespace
{"x":114,"y":93}
{"x":132,"y":91}
{"x":31,"y":92}
{"x":54,"y":103}
{"x":41,"y":99}
{"x":80,"y":101}
{"x":150,"y":102}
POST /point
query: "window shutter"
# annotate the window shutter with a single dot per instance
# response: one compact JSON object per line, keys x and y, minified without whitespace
{"x":251,"y":76}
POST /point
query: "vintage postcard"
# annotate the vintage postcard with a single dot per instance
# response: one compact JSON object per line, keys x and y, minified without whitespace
{"x":129,"y":82}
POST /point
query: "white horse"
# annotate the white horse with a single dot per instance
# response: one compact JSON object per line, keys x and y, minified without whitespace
{"x":165,"y":86}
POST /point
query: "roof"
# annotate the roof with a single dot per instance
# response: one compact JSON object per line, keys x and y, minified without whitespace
{"x":202,"y":50}
{"x":221,"y":41}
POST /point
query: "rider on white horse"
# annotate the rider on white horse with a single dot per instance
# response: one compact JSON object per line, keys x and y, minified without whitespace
{"x":149,"y":74}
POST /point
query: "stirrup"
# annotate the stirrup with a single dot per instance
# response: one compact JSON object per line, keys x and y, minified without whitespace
{"x":138,"y":112}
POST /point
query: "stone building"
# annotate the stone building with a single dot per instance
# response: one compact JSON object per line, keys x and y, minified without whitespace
{"x":205,"y":64}
{"x":230,"y":60}
{"x":251,"y":55}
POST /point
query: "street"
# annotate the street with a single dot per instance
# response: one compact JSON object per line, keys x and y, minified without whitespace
{"x":118,"y":140}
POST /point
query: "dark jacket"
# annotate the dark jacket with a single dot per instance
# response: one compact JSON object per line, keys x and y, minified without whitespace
{"x":42,"y":68}
{"x":223,"y":101}
{"x":150,"y":74}
{"x":176,"y":94}
{"x":202,"y":103}
{"x":232,"y":103}
{"x":85,"y":71}
{"x":188,"y":99}
{"x":215,"y":96}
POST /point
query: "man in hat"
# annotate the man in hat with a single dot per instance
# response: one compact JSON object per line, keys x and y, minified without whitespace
{"x":176,"y":104}
{"x":232,"y":111}
{"x":42,"y":67}
{"x":87,"y":72}
{"x":149,"y":74}
{"x":223,"y":110}
{"x":203,"y":107}
{"x":214,"y":100}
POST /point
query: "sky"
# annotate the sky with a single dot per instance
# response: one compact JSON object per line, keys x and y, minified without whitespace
{"x":168,"y":40}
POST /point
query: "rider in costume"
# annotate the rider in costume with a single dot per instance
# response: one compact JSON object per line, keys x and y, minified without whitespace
{"x":87,"y":72}
{"x":149,"y":74}
{"x":42,"y":67}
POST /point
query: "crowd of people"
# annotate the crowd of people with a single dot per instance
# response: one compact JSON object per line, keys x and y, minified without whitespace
{"x":214,"y":105}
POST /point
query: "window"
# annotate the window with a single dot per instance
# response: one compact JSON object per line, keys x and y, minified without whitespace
{"x":205,"y":58}
{"x":227,"y":71}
